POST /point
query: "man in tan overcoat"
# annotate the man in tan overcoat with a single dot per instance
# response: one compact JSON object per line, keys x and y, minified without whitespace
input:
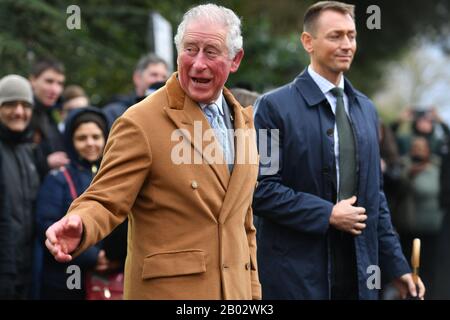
{"x":191,"y":233}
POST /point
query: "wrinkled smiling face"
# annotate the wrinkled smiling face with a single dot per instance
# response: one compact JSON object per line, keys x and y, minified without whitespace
{"x":203,"y":61}
{"x":16,"y":115}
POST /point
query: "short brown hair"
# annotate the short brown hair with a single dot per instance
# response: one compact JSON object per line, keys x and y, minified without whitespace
{"x":73,"y":91}
{"x":46,"y":64}
{"x":314,"y":11}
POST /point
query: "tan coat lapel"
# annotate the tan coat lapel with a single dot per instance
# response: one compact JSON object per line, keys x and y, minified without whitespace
{"x":245,"y":154}
{"x":187,"y":115}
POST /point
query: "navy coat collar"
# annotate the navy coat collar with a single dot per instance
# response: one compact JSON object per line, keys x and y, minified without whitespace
{"x":311,"y":91}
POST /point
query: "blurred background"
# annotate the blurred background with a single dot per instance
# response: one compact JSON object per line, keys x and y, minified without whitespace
{"x":404,"y":63}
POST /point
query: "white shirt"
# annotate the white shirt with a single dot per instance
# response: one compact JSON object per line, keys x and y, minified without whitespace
{"x":218,"y":102}
{"x":326,"y":86}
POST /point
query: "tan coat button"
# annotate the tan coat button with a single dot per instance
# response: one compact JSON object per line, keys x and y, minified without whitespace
{"x":247,"y":266}
{"x":194,"y":184}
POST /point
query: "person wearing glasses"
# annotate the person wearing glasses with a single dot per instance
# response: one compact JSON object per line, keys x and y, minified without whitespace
{"x":19,"y":183}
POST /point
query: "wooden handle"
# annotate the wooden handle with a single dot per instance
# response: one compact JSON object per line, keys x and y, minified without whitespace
{"x":415,"y":260}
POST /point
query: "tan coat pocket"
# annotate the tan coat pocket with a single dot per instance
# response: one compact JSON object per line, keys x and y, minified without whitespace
{"x":174,"y":263}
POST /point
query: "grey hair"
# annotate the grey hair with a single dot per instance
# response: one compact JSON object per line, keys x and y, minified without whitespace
{"x":214,"y":14}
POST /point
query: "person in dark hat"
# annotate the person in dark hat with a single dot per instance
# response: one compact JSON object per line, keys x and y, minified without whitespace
{"x":20,"y":181}
{"x":85,"y":136}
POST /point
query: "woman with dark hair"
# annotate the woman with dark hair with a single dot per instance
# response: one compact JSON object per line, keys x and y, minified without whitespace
{"x":85,"y":136}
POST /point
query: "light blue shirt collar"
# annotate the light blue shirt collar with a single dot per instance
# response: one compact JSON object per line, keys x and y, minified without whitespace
{"x":324,"y":85}
{"x":218,"y":102}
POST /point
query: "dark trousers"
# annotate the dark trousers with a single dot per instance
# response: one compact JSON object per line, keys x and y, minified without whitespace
{"x":441,"y":274}
{"x":344,"y":280}
{"x":53,"y":293}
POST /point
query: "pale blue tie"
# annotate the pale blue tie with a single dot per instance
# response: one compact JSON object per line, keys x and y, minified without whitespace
{"x":220,"y":129}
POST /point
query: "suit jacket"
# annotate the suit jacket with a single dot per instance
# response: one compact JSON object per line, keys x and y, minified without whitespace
{"x":295,"y":201}
{"x":191,"y":233}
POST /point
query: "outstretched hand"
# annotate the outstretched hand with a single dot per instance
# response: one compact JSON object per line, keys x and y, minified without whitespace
{"x":63,"y":237}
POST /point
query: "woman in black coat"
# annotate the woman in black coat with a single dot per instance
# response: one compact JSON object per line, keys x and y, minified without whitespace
{"x":85,"y":136}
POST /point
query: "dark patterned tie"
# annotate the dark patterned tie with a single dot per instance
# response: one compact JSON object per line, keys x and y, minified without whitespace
{"x":347,"y":153}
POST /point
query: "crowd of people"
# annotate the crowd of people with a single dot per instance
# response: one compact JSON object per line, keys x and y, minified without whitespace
{"x":52,"y":140}
{"x":414,"y":150}
{"x":320,"y":219}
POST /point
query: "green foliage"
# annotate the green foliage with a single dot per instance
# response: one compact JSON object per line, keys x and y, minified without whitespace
{"x":101,"y":56}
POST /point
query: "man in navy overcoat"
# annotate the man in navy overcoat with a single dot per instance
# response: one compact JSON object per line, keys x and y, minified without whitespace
{"x":324,"y":229}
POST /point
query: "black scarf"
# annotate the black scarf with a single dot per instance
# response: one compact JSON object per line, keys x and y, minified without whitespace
{"x":13,"y":137}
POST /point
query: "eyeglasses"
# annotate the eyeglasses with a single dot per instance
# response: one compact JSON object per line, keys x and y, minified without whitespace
{"x":14,"y":104}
